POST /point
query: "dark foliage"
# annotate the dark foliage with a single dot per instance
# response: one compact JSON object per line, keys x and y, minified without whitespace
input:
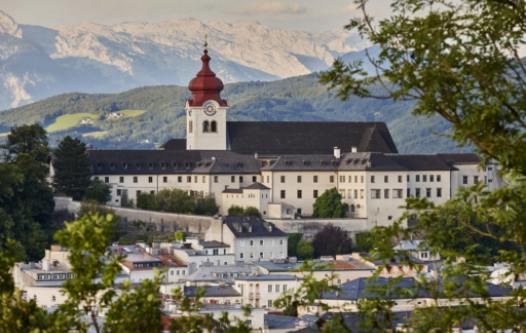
{"x":177,"y":201}
{"x":240,"y":211}
{"x":72,"y":168}
{"x":98,"y":191}
{"x":331,"y":241}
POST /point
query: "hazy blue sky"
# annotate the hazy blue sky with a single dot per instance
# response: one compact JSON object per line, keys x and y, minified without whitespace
{"x":314,"y":15}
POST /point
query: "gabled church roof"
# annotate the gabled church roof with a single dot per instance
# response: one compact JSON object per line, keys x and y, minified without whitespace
{"x":276,"y":138}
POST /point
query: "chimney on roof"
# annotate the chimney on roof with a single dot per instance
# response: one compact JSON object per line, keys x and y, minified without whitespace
{"x":337,"y":152}
{"x":354,"y":150}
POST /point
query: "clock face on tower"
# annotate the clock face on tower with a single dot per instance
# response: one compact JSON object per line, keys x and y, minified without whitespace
{"x":210,"y":109}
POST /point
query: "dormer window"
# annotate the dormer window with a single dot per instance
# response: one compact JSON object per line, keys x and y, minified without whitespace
{"x":206,"y":126}
{"x":213,"y":126}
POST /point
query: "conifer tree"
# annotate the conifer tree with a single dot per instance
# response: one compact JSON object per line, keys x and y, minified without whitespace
{"x":72,"y":168}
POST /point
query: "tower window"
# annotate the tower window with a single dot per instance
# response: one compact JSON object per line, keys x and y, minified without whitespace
{"x":213,"y":126}
{"x":206,"y":126}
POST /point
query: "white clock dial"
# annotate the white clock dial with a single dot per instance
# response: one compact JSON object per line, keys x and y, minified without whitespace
{"x":210,"y":110}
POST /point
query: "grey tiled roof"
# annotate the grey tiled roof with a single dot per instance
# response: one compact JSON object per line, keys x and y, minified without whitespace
{"x":137,"y":162}
{"x":212,"y":291}
{"x":233,"y":190}
{"x":271,"y":277}
{"x":256,"y":186}
{"x":360,"y":161}
{"x":461,"y":158}
{"x":212,"y":244}
{"x":252,"y":226}
{"x":288,"y":137}
{"x":405,"y":288}
{"x":308,"y":137}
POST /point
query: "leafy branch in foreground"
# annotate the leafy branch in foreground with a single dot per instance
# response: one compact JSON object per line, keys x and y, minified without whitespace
{"x":459,"y":60}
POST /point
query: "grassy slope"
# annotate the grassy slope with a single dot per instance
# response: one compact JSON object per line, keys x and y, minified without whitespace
{"x":67,"y":121}
{"x":300,"y":99}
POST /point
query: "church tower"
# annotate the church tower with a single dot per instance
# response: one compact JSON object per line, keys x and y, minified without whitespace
{"x":206,"y":112}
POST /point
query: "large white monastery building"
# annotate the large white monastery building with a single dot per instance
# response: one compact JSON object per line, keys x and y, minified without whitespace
{"x":282,"y":167}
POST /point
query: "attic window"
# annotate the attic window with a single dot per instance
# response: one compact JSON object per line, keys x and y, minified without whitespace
{"x":199,"y":164}
{"x":99,"y":165}
{"x":163,"y":165}
{"x":187,"y":165}
{"x":207,"y":164}
{"x":356,"y":161}
{"x":364,"y":161}
{"x":324,"y":163}
{"x":150,"y":165}
{"x":239,"y":165}
{"x":112,"y":165}
{"x":125,"y":166}
{"x":349,"y":161}
{"x":306,"y":163}
{"x":264,"y":163}
{"x":288,"y":163}
{"x":138,"y":165}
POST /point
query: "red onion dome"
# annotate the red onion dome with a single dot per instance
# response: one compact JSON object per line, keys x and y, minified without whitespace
{"x":206,"y":86}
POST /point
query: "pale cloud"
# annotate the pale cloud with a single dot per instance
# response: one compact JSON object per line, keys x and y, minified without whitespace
{"x":274,"y":8}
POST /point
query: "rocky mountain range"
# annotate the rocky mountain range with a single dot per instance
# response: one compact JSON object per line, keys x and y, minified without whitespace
{"x":37,"y":62}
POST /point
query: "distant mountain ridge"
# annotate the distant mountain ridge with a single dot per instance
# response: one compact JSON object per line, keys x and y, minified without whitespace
{"x":149,"y":116}
{"x":37,"y":62}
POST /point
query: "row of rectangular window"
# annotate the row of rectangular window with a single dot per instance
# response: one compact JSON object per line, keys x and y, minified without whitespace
{"x":299,"y":179}
{"x":398,"y":193}
{"x":424,"y":178}
{"x":135,"y":179}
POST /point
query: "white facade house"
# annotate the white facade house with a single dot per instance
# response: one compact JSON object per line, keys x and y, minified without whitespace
{"x":43,"y":281}
{"x":261,"y":291}
{"x":255,"y":195}
{"x":281,"y":168}
{"x":250,"y":237}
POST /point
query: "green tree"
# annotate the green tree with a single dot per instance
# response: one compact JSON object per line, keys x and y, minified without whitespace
{"x":305,"y":250}
{"x":364,"y":242}
{"x":205,"y":206}
{"x":240,"y":211}
{"x":236,"y":211}
{"x":331,"y":241}
{"x":72,"y":168}
{"x":292,"y":244}
{"x":251,"y":211}
{"x":180,"y":236}
{"x":329,"y":205}
{"x":28,"y":139}
{"x":26,"y":200}
{"x":98,"y":191}
{"x":459,"y":60}
{"x":177,"y":201}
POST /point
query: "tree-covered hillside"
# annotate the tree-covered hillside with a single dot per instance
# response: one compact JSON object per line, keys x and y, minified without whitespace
{"x":295,"y":99}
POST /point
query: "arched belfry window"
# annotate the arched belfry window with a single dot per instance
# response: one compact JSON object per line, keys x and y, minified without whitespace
{"x":206,"y":126}
{"x":213,"y":126}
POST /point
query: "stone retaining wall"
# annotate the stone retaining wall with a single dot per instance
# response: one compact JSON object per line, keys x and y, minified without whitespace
{"x":164,"y":222}
{"x":169,"y":222}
